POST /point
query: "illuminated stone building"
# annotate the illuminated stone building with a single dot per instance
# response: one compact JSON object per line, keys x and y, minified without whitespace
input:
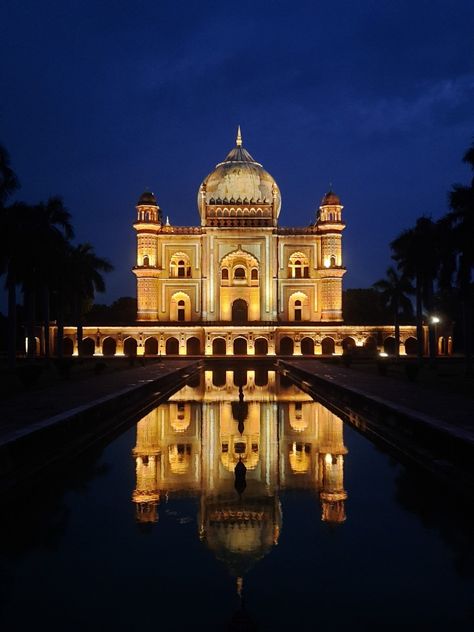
{"x":239,"y":283}
{"x":193,"y":444}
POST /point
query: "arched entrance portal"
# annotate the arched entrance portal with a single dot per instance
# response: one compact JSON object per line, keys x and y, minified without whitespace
{"x":109,"y":347}
{"x":261,"y":346}
{"x":307,"y":346}
{"x":193,"y":346}
{"x":68,"y":347}
{"x":172,"y":346}
{"x":286,"y":346}
{"x":218,"y":346}
{"x":87,"y":347}
{"x":327,"y":346}
{"x":240,"y":311}
{"x":240,"y":346}
{"x":151,"y":346}
{"x":130,"y":347}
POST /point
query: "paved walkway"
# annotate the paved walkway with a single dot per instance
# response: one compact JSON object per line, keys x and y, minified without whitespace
{"x":24,"y":411}
{"x":452,"y":413}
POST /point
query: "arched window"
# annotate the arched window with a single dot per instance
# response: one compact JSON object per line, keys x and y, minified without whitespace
{"x":146,"y":261}
{"x":297,"y":310}
{"x":240,"y":311}
{"x":239,"y":273}
{"x":298,"y":307}
{"x":298,"y":266}
{"x":332,"y":261}
{"x":254,"y":274}
{"x":225,"y":274}
{"x":180,"y":307}
{"x":180,"y":265}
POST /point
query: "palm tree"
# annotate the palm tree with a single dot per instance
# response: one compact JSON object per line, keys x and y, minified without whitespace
{"x":416,"y":253}
{"x":461,"y":221}
{"x":79,"y":278}
{"x":8,"y":185}
{"x":394,"y":290}
{"x":47,"y":232}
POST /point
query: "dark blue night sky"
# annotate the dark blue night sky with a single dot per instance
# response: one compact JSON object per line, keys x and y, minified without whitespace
{"x":99,"y":100}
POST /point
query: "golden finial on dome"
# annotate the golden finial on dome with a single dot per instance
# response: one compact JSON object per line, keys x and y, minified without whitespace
{"x":239,"y":137}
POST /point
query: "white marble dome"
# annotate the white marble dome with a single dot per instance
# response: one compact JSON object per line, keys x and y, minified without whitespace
{"x":239,"y":179}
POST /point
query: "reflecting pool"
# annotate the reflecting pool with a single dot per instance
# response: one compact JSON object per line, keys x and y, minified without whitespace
{"x":240,"y":503}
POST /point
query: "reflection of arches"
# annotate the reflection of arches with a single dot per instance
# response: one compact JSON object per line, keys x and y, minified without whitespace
{"x":261,"y":346}
{"x":298,"y":265}
{"x":449,"y":349}
{"x":87,"y":347}
{"x":172,"y":346}
{"x":390,"y":345}
{"x":307,"y":346}
{"x":411,"y":345}
{"x":298,"y":306}
{"x":180,"y":307}
{"x":286,"y":346}
{"x":219,"y":346}
{"x":328,"y":346}
{"x":300,"y":457}
{"x":109,"y":346}
{"x":193,"y":346}
{"x":219,"y":377}
{"x":261,"y":377}
{"x":68,"y":347}
{"x":370,"y":343}
{"x":151,"y":346}
{"x":179,"y":457}
{"x":240,"y":346}
{"x":348,"y":344}
{"x":180,"y":265}
{"x":130,"y":347}
{"x":240,"y":311}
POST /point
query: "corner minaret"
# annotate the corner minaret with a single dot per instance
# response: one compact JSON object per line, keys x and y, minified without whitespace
{"x":148,"y":224}
{"x":330,"y":225}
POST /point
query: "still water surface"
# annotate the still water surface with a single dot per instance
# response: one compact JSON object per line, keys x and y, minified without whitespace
{"x":227,"y":506}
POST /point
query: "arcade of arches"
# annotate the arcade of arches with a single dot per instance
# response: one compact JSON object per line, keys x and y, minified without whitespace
{"x":242,"y":340}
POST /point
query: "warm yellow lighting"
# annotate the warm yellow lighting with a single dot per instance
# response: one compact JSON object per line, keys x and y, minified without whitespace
{"x":382,"y":354}
{"x":328,"y":459}
{"x":327,"y":262}
{"x":435,"y":320}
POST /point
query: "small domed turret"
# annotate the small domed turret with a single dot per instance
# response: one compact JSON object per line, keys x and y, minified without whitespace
{"x":330,"y":198}
{"x":147,"y":198}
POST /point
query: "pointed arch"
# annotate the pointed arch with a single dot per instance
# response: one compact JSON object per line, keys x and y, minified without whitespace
{"x":180,"y":307}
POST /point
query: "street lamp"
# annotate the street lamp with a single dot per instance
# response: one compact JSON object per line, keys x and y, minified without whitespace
{"x":435,"y":320}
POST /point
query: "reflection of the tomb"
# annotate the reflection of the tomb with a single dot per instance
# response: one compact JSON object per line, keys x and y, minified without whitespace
{"x":193,"y":443}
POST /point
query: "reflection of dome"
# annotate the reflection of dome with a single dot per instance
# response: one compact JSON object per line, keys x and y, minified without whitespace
{"x":147,"y":198}
{"x":240,"y":180}
{"x":242,"y":532}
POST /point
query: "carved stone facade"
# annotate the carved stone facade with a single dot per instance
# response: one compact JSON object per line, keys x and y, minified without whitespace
{"x":238,"y":283}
